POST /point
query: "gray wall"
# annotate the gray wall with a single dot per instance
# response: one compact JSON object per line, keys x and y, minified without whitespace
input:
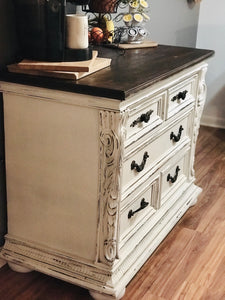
{"x":173,"y":22}
{"x":211,"y":35}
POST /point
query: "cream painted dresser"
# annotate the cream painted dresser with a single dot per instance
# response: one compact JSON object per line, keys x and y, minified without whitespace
{"x":99,"y":172}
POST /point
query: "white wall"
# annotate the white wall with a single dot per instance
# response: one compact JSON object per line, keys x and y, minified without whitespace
{"x":211,"y":35}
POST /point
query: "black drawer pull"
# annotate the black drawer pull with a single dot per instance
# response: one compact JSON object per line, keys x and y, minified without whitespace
{"x":180,"y":95}
{"x":143,"y":118}
{"x":174,"y":178}
{"x":177,"y":137}
{"x":140,"y":167}
{"x":143,"y":204}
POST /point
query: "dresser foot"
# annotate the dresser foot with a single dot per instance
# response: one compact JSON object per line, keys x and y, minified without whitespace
{"x":196,"y":192}
{"x":17,"y":268}
{"x":193,"y":203}
{"x":100,"y":296}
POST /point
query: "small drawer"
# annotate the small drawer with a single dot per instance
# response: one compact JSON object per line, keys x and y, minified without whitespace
{"x":144,"y":117}
{"x":174,"y":175}
{"x":146,"y":157}
{"x":181,"y":95}
{"x":138,"y":206}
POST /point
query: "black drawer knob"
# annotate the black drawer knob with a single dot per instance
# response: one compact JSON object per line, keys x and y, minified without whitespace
{"x":143,"y":204}
{"x":139,"y":168}
{"x":173,"y":179}
{"x":143,"y":118}
{"x":177,"y":137}
{"x":180,"y":95}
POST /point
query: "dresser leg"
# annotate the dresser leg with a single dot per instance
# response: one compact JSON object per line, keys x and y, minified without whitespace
{"x":100,"y":296}
{"x":17,"y":268}
{"x":193,"y":202}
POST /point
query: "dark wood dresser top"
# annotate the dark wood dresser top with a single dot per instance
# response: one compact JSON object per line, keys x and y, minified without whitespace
{"x":130,"y":71}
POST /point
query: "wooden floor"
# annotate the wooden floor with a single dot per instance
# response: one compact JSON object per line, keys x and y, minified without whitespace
{"x":188,"y":265}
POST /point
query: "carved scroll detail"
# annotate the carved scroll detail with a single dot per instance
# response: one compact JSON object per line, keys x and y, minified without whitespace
{"x":201,"y":97}
{"x":109,"y":186}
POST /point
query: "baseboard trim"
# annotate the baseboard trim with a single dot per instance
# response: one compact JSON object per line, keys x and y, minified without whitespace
{"x":213,"y":121}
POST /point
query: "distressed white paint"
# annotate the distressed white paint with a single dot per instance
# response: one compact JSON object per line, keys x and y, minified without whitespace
{"x":70,"y":189}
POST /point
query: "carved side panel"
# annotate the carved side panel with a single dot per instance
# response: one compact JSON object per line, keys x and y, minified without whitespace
{"x":109,"y":186}
{"x":200,"y":101}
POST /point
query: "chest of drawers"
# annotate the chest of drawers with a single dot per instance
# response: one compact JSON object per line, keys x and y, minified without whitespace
{"x":94,"y":184}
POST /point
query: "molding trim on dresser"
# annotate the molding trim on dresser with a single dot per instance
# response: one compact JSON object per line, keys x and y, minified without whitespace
{"x":199,"y":105}
{"x":156,"y":126}
{"x":109,"y":186}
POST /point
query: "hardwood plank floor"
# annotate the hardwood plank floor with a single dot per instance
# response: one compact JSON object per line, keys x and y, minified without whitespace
{"x":188,"y":265}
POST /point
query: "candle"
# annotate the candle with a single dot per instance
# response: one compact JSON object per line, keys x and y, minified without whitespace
{"x":76,"y":31}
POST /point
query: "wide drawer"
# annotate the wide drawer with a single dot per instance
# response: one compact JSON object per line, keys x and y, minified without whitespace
{"x":141,"y":160}
{"x":144,"y":116}
{"x":138,"y":206}
{"x":181,"y":95}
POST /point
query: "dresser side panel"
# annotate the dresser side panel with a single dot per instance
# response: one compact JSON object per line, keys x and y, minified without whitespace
{"x":52,"y":173}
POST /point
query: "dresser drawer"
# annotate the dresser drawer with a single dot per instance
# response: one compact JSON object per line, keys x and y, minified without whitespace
{"x":181,"y":94}
{"x":143,"y":117}
{"x":162,"y":193}
{"x":144,"y":158}
{"x":138,"y":206}
{"x":174,"y":174}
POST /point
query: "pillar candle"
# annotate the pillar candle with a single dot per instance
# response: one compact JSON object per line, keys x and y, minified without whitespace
{"x":76,"y":31}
